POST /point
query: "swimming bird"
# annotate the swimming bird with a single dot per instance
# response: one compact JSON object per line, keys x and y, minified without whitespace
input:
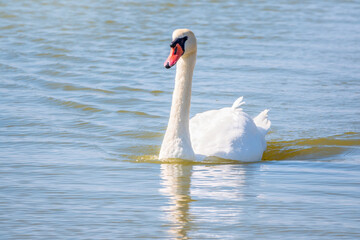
{"x":227,"y":133}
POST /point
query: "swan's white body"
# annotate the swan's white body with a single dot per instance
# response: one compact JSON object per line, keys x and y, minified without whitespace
{"x":227,"y":133}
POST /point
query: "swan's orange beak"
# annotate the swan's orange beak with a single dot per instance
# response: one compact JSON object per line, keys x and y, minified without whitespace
{"x":175,"y":54}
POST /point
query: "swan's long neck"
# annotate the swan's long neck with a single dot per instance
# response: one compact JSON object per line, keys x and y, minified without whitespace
{"x":176,"y":143}
{"x":180,"y":107}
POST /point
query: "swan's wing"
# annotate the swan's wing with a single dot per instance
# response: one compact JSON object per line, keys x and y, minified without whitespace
{"x":262,"y":122}
{"x":210,"y":132}
{"x":238,"y":103}
{"x":227,"y":133}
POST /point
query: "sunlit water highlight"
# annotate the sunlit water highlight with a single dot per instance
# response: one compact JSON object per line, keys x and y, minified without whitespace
{"x":84,"y":104}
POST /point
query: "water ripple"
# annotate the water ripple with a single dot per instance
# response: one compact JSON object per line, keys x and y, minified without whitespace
{"x":84,"y":95}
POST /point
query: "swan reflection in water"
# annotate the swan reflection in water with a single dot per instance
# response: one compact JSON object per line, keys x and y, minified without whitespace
{"x":202,"y":194}
{"x":176,"y":182}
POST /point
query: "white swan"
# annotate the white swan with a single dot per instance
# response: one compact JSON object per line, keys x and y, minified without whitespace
{"x":227,"y":133}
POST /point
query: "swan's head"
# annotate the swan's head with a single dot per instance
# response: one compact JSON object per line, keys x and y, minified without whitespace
{"x":183,"y":44}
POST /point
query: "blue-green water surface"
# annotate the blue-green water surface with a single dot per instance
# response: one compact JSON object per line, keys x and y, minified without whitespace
{"x":85,"y":99}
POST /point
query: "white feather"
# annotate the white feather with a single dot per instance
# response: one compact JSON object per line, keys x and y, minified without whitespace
{"x":228,"y":133}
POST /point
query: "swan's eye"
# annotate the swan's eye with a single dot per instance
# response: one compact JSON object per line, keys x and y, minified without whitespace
{"x":180,"y":41}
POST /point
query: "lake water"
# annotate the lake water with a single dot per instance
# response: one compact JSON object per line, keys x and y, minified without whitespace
{"x":85,"y":99}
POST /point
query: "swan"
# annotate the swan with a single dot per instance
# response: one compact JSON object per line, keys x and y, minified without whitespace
{"x":227,"y":133}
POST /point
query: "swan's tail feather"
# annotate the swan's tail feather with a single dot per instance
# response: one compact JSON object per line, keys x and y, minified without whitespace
{"x":239,"y":102}
{"x":262,"y":122}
